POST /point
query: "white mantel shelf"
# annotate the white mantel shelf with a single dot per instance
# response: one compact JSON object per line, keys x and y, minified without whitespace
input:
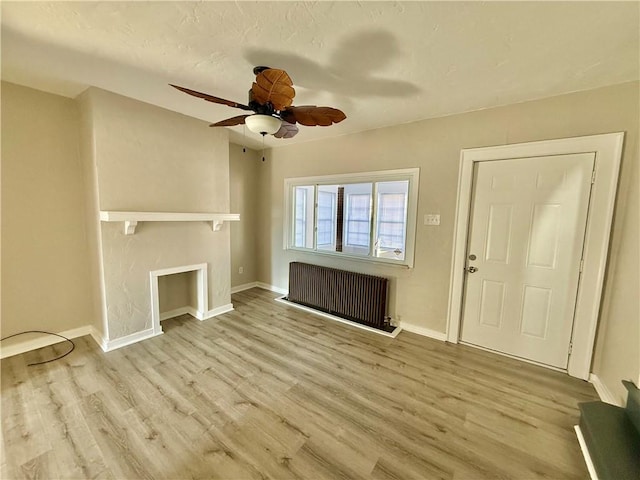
{"x":131,"y":219}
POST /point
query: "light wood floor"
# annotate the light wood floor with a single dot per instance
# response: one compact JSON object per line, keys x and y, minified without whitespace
{"x":268,"y":391}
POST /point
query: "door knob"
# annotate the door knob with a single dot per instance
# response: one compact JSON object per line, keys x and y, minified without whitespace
{"x":472,"y":269}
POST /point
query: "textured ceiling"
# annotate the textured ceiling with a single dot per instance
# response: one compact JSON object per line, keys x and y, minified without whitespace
{"x":382,"y":63}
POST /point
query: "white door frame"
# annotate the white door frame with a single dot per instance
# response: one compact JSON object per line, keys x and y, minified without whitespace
{"x":608,"y":152}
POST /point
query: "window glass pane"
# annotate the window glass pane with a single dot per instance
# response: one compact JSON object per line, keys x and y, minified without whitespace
{"x":327,"y":217}
{"x":303,"y":216}
{"x":357,"y":218}
{"x":391,"y":221}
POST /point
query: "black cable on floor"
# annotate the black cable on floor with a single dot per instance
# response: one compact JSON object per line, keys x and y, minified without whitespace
{"x":73,"y":345}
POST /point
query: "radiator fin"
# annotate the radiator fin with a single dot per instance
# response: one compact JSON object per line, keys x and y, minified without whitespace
{"x":354,"y":296}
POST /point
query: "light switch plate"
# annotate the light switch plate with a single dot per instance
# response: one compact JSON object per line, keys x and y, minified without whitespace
{"x":432,"y":219}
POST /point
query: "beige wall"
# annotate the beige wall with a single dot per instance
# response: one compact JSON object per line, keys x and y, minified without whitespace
{"x":176,"y":291}
{"x":152,"y":159}
{"x":149,"y":159}
{"x":244,"y":169}
{"x":419,"y":296}
{"x":45,"y":273}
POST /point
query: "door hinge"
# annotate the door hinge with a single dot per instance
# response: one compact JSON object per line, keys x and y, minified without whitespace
{"x":593,"y":177}
{"x":570,"y":347}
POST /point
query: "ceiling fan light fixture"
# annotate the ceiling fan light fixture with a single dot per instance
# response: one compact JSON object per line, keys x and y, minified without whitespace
{"x":263,"y":124}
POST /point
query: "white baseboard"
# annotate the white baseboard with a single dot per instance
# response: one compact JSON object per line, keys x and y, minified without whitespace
{"x":106,"y":345}
{"x":43,"y":341}
{"x":217,"y":311}
{"x":243,"y":287}
{"x":585,"y":453}
{"x":603,"y":391}
{"x":272,"y":288}
{"x":98,"y":338}
{"x":392,"y":334}
{"x":264,"y":286}
{"x":194,"y":312}
{"x":425,"y":332}
{"x":109,"y":345}
{"x":176,"y":312}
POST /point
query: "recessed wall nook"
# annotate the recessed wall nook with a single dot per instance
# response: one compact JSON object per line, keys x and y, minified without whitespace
{"x":201,"y":312}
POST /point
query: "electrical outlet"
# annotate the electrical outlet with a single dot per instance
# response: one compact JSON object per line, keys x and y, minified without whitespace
{"x":241,"y":270}
{"x":432,"y":219}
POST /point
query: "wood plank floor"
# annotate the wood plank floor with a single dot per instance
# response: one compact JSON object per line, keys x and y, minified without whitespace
{"x":268,"y":391}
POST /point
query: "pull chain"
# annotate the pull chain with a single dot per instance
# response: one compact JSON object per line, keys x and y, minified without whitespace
{"x":263,"y":147}
{"x":244,"y":137}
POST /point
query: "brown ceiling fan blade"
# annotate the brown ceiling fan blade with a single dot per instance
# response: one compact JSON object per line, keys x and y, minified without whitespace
{"x":211,"y":98}
{"x":287,"y":130}
{"x":275,"y":86}
{"x":230,"y":122}
{"x":313,"y":116}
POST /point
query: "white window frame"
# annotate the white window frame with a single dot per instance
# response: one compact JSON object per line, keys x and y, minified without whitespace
{"x":408,"y":174}
{"x":302,"y":231}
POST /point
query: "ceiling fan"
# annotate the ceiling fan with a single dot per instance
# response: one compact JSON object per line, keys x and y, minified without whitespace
{"x":270,"y":99}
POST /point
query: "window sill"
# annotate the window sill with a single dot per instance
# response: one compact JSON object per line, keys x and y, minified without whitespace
{"x":371,"y":260}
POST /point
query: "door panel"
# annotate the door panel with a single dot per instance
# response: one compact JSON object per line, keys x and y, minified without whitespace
{"x":527,"y":226}
{"x":536,"y":306}
{"x":492,"y":303}
{"x":498,"y":234}
{"x":543,"y":236}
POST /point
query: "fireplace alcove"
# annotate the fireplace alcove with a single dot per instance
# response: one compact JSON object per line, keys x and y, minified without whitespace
{"x":201,"y":311}
{"x":161,"y":244}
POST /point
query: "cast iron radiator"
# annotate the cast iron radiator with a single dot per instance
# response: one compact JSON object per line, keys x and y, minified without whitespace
{"x":354,"y":296}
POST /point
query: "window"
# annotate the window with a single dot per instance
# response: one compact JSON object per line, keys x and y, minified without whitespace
{"x":369,"y":216}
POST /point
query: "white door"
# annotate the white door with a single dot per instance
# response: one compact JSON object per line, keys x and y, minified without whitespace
{"x":526,"y":237}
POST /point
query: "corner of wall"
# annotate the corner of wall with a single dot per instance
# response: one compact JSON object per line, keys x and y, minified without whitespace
{"x":90,"y":177}
{"x":245,"y":199}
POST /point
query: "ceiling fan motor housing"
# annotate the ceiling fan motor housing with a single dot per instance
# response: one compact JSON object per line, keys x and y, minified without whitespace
{"x":260,"y":108}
